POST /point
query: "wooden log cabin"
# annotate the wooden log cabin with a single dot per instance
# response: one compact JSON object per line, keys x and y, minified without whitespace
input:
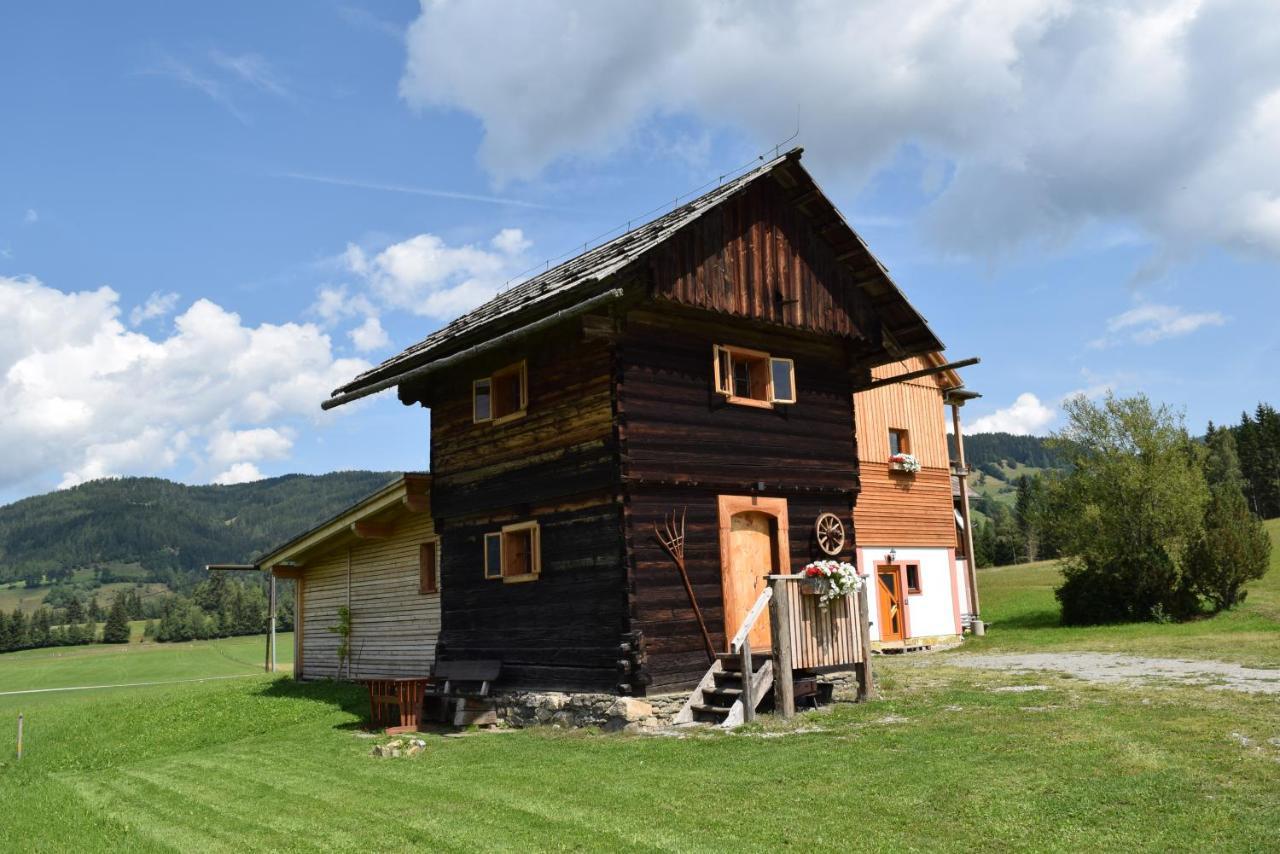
{"x":703,"y":364}
{"x":911,"y":517}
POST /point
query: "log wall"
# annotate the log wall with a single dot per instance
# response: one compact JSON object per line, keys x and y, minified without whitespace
{"x":682,"y":446}
{"x":557,"y":466}
{"x":394,"y":627}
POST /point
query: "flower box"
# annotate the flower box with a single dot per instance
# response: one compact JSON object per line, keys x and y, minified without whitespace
{"x":813,"y":586}
{"x":833,"y":579}
{"x":904,"y":462}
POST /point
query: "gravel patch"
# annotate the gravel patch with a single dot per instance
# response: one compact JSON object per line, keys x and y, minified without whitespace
{"x":1119,"y":668}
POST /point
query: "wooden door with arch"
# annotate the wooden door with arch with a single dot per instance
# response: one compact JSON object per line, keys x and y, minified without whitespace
{"x":754,"y":543}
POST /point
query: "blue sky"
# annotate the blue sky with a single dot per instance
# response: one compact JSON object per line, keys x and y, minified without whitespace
{"x":277,"y":195}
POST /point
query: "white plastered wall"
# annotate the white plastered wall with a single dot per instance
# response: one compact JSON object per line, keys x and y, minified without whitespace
{"x":932,"y":611}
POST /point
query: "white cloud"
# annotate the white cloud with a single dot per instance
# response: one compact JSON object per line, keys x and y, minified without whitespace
{"x":84,"y":396}
{"x":1046,"y":115}
{"x":239,"y":473}
{"x":1027,"y":415}
{"x":157,"y":305}
{"x":31,"y":216}
{"x":369,"y":335}
{"x":429,"y":277}
{"x":258,"y":443}
{"x":1148,"y":323}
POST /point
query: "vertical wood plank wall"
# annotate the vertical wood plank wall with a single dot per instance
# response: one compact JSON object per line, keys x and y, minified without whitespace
{"x":394,"y":627}
{"x":896,"y":508}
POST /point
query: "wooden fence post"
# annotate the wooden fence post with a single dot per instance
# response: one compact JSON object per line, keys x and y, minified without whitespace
{"x":866,"y":681}
{"x":748,"y":683}
{"x":780,"y":609}
{"x":19,"y":736}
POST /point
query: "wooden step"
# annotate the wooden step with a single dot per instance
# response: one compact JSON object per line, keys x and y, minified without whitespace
{"x":704,"y":709}
{"x":721,"y":697}
{"x":732,"y":661}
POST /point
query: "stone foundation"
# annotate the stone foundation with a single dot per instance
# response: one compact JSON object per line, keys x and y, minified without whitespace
{"x":612,"y":713}
{"x":609,"y":712}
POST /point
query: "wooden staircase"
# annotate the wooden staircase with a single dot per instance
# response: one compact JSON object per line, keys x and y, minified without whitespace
{"x":737,"y":680}
{"x":719,"y":698}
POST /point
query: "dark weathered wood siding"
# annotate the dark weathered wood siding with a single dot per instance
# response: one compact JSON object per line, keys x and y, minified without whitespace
{"x":558,"y":466}
{"x":758,"y":256}
{"x":682,"y":445}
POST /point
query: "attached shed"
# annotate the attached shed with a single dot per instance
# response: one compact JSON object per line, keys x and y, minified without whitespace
{"x":379,"y":559}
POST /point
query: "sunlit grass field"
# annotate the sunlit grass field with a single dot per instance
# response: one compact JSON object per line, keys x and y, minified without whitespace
{"x":1018,"y":605}
{"x":946,"y":761}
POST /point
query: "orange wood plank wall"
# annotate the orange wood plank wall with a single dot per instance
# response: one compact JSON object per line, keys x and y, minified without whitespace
{"x":897,"y":508}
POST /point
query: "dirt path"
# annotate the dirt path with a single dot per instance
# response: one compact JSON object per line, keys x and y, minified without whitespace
{"x":1115,"y":667}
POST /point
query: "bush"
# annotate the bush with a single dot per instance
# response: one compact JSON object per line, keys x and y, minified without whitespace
{"x":1232,"y":550}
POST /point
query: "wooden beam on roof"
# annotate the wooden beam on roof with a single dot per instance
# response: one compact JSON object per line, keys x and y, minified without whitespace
{"x":915,"y":375}
{"x":281,"y":571}
{"x":372,"y":530}
{"x":417,"y":503}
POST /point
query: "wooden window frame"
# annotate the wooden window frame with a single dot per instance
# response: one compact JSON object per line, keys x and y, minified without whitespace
{"x":904,"y":440}
{"x":906,"y":575}
{"x":522,"y":367}
{"x":535,"y":551}
{"x":724,"y":383}
{"x":429,"y":584}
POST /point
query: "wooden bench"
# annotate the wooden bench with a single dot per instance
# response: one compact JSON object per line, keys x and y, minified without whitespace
{"x":396,"y":704}
{"x":459,"y":693}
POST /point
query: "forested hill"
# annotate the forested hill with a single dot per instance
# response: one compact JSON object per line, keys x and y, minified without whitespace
{"x":993,"y":448}
{"x":167,"y":530}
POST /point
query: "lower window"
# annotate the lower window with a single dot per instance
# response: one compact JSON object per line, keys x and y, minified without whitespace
{"x":514,"y":553}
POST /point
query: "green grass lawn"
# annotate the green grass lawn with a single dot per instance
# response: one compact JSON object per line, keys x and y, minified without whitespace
{"x":112,"y":664}
{"x":1018,"y":604}
{"x":943,"y":763}
{"x":946,"y":761}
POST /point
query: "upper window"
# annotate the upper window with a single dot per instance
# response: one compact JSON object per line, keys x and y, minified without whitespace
{"x":502,"y":396}
{"x":899,"y":442}
{"x":913,"y":578}
{"x":514,"y":553}
{"x":429,"y":567}
{"x":753,"y":378}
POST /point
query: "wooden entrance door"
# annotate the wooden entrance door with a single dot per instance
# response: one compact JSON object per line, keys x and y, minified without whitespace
{"x":889,"y":596}
{"x":753,"y":545}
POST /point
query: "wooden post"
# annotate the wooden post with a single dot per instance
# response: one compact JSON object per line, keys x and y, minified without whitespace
{"x":748,"y":684}
{"x":271,"y":637}
{"x":866,"y":682}
{"x":971,"y":561}
{"x":780,"y":610}
{"x":19,"y":736}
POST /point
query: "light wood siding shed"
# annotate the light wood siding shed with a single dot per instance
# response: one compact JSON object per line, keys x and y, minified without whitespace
{"x":394,"y":628}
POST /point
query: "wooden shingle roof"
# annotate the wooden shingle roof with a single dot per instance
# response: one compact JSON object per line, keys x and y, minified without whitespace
{"x":591,"y":273}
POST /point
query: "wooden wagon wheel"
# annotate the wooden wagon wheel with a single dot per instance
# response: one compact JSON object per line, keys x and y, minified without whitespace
{"x":830,"y":532}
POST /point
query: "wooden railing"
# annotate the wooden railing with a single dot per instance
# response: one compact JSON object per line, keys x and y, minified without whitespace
{"x":807,"y":636}
{"x":741,"y":645}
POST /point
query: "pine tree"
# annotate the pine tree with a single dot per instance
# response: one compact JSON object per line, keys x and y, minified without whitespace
{"x":95,"y":610}
{"x":117,"y":628}
{"x":75,"y":611}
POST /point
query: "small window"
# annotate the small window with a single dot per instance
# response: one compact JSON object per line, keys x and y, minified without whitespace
{"x":913,"y":578}
{"x":514,"y":553}
{"x":481,"y":401}
{"x":753,"y":378}
{"x":493,"y":555}
{"x":783,"y":372}
{"x":500,"y":397}
{"x":899,"y":442}
{"x":429,"y":567}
